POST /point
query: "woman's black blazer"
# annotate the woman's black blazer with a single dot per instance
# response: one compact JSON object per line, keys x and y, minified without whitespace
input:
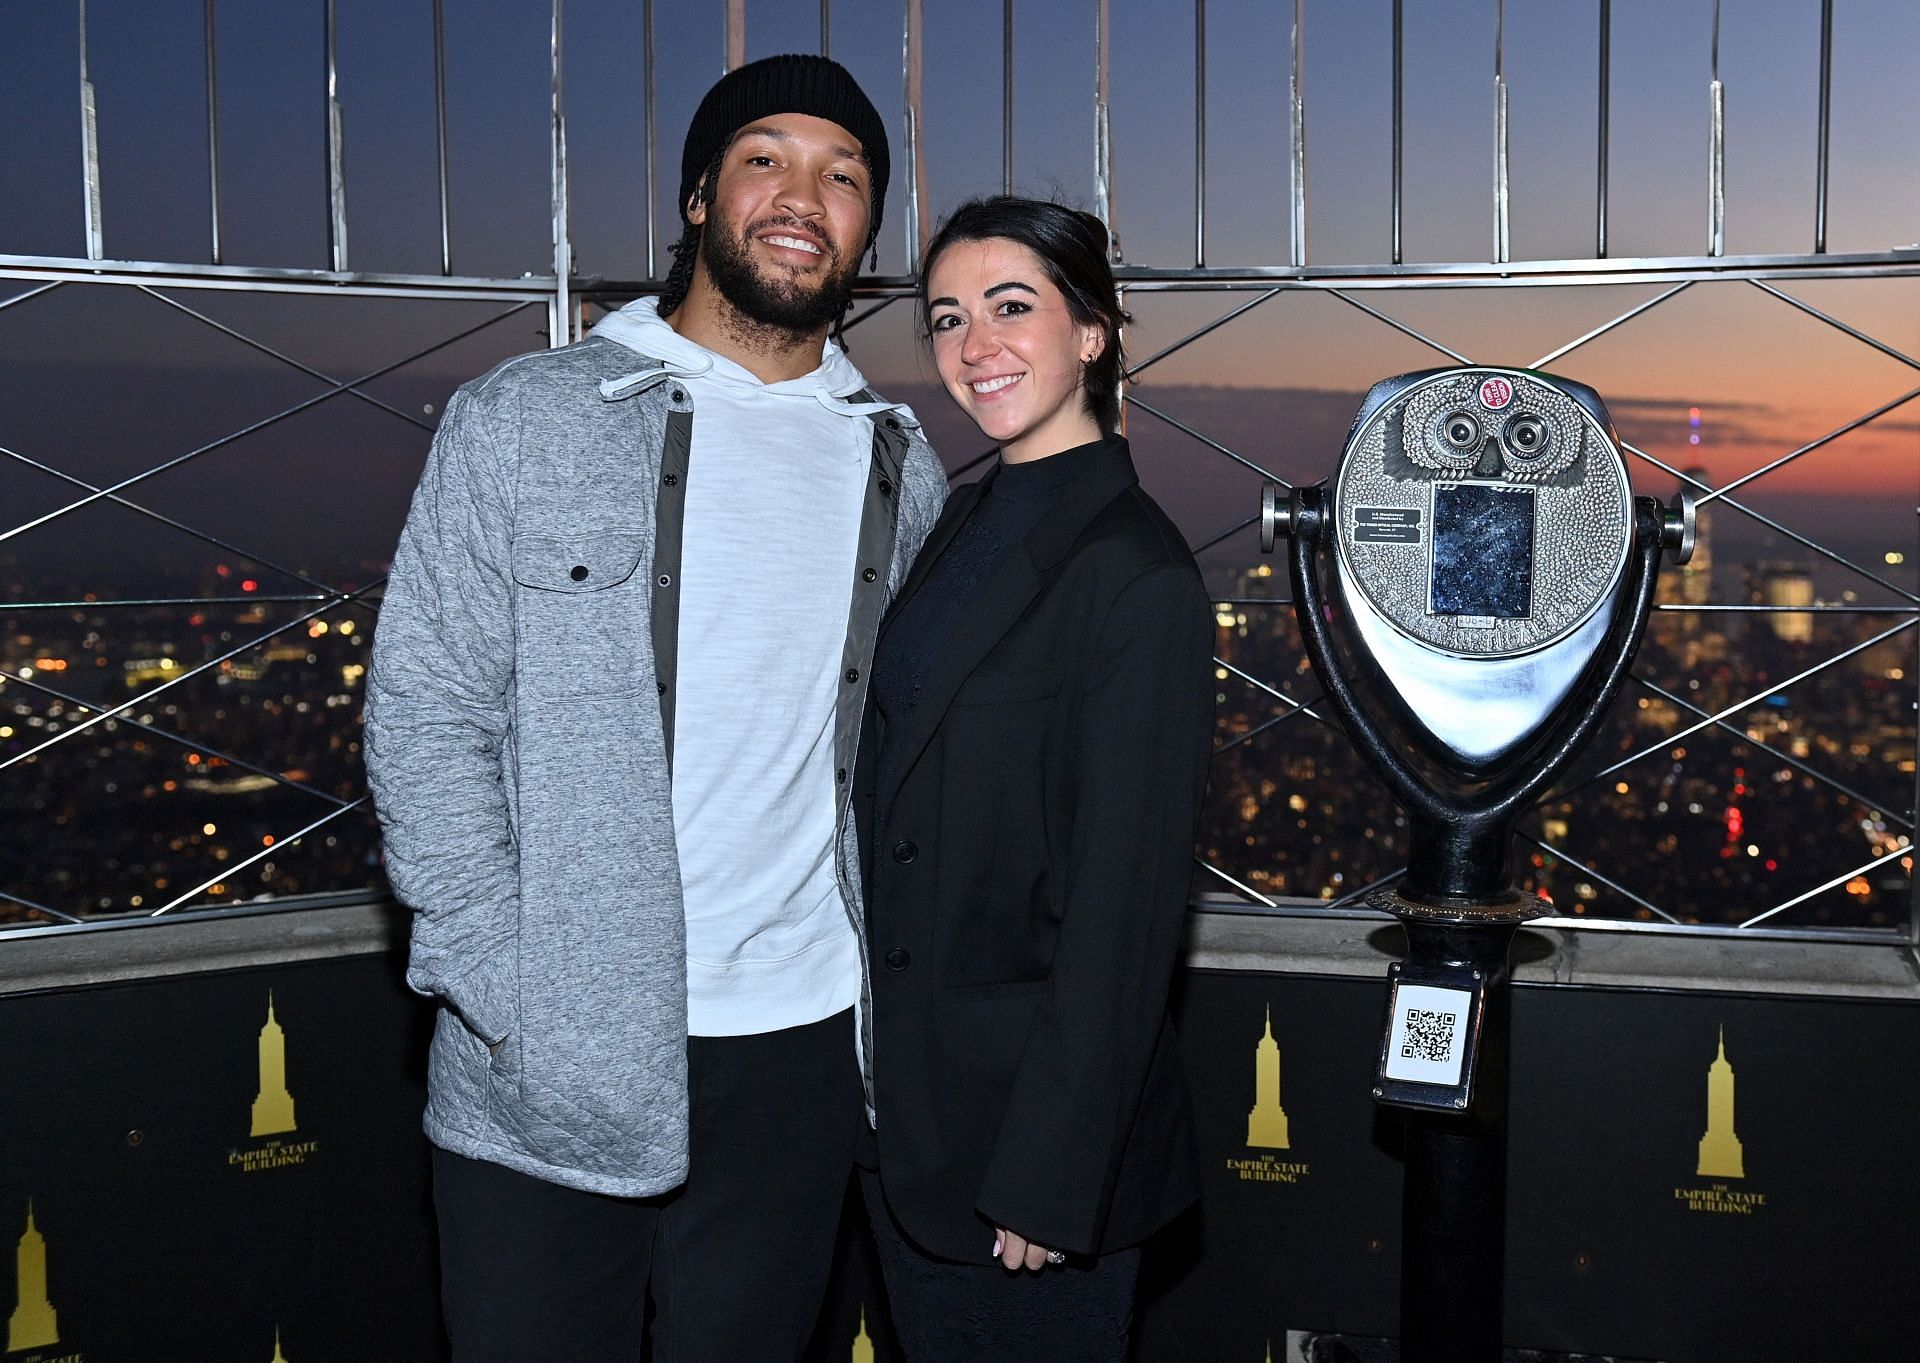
{"x":1027,"y":893}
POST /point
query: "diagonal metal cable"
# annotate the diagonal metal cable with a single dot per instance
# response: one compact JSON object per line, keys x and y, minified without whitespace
{"x":1304,"y":708}
{"x":147,"y":695}
{"x":1136,"y":370}
{"x":30,"y":293}
{"x":1773,"y":525}
{"x":1739,"y":706}
{"x":1226,"y":534}
{"x":1841,"y":879}
{"x":1811,"y":446}
{"x":185,"y":742}
{"x":1239,"y":885}
{"x":1588,"y":869}
{"x":1400,"y":326}
{"x":279,"y":845}
{"x":257,"y":426}
{"x":58,"y":914}
{"x":1834,"y":322}
{"x":1206,"y":440}
{"x":1605,"y":327}
{"x":1805,"y":768}
{"x":1357,"y":895}
{"x":152,"y":601}
{"x":170,"y":522}
{"x":279,"y":355}
{"x":1275,"y":692}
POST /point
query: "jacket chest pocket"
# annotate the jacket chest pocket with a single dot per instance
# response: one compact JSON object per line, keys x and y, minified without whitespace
{"x":581,"y":614}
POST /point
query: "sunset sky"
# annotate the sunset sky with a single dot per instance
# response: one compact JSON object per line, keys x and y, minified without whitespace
{"x":1766,"y":377}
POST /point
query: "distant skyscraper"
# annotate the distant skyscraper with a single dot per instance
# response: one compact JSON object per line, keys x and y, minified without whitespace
{"x":1782,"y":586}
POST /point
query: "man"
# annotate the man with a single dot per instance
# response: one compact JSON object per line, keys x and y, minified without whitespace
{"x":611,"y":722}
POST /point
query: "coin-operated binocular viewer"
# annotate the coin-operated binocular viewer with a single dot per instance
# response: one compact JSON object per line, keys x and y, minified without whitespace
{"x":1492,"y":576}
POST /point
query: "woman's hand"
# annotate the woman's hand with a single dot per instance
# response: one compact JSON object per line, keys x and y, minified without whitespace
{"x":1017,"y":1252}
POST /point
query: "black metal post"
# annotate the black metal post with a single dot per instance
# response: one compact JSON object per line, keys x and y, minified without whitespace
{"x":1454,"y":1204}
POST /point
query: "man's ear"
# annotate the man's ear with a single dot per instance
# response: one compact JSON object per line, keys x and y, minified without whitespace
{"x":697,"y":209}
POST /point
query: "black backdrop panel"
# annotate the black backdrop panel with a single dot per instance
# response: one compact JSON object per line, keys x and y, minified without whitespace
{"x":1617,"y":1243}
{"x":172,"y":1232}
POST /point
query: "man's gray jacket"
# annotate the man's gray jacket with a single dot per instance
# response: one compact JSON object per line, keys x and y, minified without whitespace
{"x":519,"y":730}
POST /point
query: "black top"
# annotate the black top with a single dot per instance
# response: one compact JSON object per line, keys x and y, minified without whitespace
{"x":1014,"y":497}
{"x":1028,"y":883}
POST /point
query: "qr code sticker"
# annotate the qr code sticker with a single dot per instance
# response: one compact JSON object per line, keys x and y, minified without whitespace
{"x":1429,"y":1036}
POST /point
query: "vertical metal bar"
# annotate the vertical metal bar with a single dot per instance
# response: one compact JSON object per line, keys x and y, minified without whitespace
{"x":1605,"y":131}
{"x":440,"y":130}
{"x":916,"y":176}
{"x":1297,"y":142}
{"x":1399,"y":119}
{"x":1913,"y":881}
{"x":1103,"y":127}
{"x":1716,"y":148}
{"x":560,"y":310}
{"x":652,"y":152}
{"x":736,"y":33}
{"x":826,"y":28}
{"x":89,"y":151}
{"x":213,"y":133}
{"x":1199,"y":133}
{"x":1826,"y":127}
{"x":1006,"y":96}
{"x":1502,"y":244}
{"x":336,"y":156}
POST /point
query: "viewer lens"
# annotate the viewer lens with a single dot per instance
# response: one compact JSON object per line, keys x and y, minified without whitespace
{"x":1526,"y":437}
{"x":1462,"y":431}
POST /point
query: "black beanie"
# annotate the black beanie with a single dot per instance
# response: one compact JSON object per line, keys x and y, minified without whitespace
{"x":793,"y":84}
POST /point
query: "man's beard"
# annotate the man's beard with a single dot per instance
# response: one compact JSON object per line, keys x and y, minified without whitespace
{"x":782,"y":303}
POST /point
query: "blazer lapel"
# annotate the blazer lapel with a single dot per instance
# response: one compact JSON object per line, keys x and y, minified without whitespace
{"x":952,"y":516}
{"x":1003,"y":599}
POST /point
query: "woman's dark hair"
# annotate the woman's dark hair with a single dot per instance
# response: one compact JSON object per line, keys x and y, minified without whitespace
{"x":1072,"y":248}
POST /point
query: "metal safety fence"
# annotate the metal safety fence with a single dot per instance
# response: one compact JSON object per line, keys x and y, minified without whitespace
{"x":1620,"y":846}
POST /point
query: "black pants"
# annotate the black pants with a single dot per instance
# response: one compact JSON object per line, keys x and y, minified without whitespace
{"x":1078,"y":1312}
{"x":736,"y":1259}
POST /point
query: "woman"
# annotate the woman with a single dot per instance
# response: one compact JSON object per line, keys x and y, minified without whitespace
{"x":1041,"y":718}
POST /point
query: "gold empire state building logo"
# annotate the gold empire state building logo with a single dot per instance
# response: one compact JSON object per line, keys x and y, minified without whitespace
{"x":273,"y":1105}
{"x":1720,"y":1155}
{"x":862,"y":1342}
{"x":32,"y":1324}
{"x":1267,"y":1123}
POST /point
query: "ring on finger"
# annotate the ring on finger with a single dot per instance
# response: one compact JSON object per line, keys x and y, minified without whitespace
{"x":1055,"y":1257}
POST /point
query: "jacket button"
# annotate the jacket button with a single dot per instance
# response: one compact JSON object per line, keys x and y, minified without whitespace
{"x":868,"y":575}
{"x":662,"y":686}
{"x":665,"y":581}
{"x":886,"y":487}
{"x":899,"y":959}
{"x":671,"y":480}
{"x":679,"y":395}
{"x":905,"y":851}
{"x":853,"y":674}
{"x":839,"y":777}
{"x":579,"y":573}
{"x":893,"y":423}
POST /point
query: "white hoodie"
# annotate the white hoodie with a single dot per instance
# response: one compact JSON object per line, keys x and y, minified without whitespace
{"x":775,"y":486}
